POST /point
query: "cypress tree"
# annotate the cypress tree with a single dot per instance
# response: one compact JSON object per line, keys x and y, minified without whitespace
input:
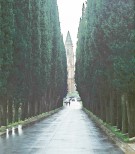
{"x":106,"y":57}
{"x":6,"y":51}
{"x":33,"y":73}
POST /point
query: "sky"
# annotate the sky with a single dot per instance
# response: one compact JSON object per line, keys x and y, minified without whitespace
{"x":70,"y":12}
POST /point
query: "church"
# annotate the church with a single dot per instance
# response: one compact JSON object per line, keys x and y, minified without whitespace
{"x":70,"y":63}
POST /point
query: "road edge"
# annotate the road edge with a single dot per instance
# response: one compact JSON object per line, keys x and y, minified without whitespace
{"x":31,"y":120}
{"x":125,"y":147}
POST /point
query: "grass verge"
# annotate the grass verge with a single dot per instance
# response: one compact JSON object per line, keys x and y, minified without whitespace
{"x":27,"y":121}
{"x":112,"y":130}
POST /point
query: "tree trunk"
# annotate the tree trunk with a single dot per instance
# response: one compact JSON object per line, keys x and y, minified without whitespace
{"x":124,"y":114}
{"x":24,"y":109}
{"x":107,"y":101}
{"x":38,"y":104}
{"x":10,"y":111}
{"x":113,"y":108}
{"x":32,"y":107}
{"x":98,"y":107}
{"x":45,"y":103}
{"x":0,"y":115}
{"x":119,"y":112}
{"x":4,"y":111}
{"x":131,"y":114}
{"x":16,"y":112}
{"x":103,"y":111}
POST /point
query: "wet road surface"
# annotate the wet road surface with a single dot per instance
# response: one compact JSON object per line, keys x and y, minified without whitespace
{"x":69,"y":131}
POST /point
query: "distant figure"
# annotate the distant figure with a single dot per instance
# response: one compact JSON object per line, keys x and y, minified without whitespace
{"x":69,"y":102}
{"x":66,"y":103}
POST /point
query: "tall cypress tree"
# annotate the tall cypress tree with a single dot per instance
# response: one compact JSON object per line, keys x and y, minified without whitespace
{"x":107,"y":60}
{"x":32,"y":59}
{"x":6,"y":51}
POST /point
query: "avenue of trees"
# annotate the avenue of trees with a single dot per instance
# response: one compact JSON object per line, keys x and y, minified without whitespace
{"x":33,"y":73}
{"x":105,"y":65}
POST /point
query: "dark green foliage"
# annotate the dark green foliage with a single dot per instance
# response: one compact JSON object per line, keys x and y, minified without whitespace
{"x":32,"y":59}
{"x":6,"y":57}
{"x":105,"y":60}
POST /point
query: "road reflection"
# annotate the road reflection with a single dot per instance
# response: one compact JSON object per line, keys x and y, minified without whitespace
{"x":69,"y":131}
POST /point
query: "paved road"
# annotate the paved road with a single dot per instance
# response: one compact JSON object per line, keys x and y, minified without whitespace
{"x":68,"y":132}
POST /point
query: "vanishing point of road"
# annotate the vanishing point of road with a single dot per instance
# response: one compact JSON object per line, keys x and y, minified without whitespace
{"x":70,"y":131}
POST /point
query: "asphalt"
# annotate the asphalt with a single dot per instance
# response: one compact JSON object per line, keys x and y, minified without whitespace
{"x":70,"y":131}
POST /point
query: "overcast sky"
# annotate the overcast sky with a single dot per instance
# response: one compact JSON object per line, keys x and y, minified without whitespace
{"x":70,"y":12}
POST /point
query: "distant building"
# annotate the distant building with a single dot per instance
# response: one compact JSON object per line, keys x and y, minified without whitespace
{"x":70,"y":63}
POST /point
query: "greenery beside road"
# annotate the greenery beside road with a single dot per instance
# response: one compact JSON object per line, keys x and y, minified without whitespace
{"x":33,"y":67}
{"x":114,"y":131}
{"x":105,"y":62}
{"x":27,"y":121}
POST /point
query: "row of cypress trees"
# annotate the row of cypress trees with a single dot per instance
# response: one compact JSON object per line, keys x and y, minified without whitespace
{"x":33,"y":73}
{"x":105,"y":65}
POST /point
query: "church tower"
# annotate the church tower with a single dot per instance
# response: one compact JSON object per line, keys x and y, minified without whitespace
{"x":70,"y":63}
